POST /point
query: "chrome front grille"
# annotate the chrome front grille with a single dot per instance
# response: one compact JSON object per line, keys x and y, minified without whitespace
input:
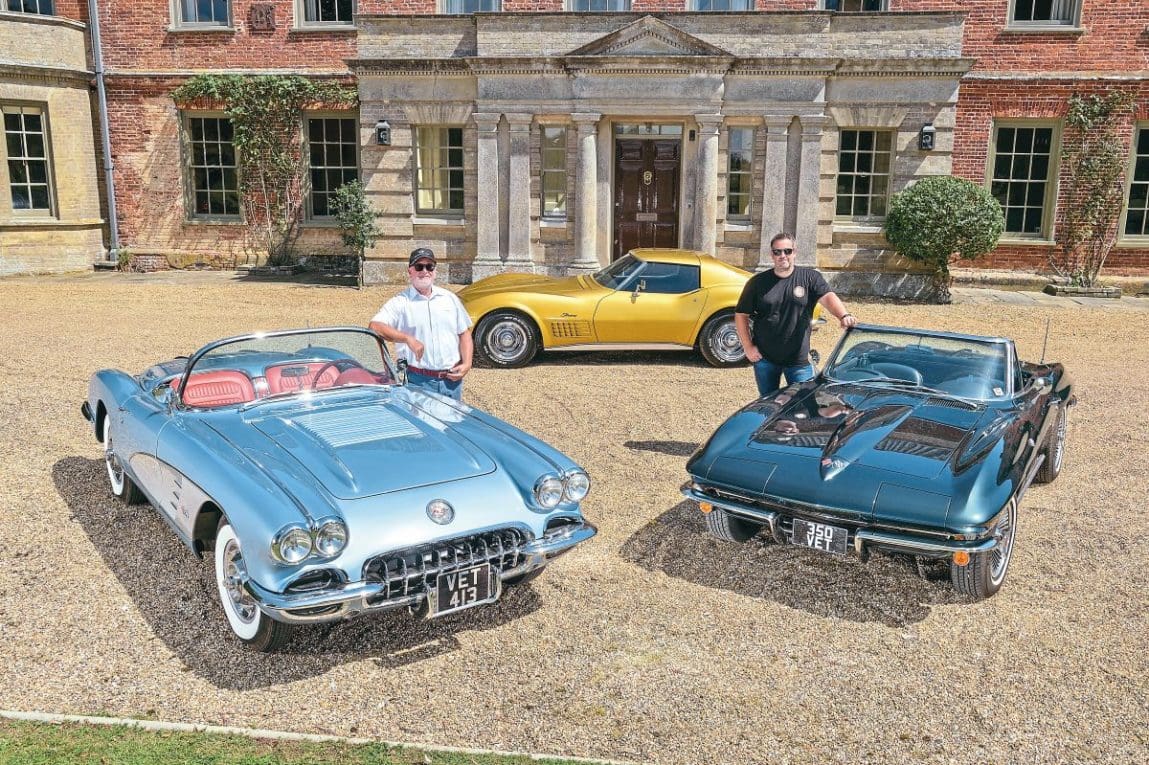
{"x":413,"y":571}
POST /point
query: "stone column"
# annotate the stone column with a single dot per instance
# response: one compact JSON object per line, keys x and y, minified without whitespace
{"x":586,"y":218}
{"x":706,"y":194}
{"x":488,"y":258}
{"x":773,"y":186}
{"x":809,"y":182}
{"x":519,"y":195}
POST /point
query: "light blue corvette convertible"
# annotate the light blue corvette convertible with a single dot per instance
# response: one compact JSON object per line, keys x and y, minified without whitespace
{"x":327,"y":488}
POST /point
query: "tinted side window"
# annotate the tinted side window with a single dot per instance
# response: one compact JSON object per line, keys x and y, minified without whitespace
{"x":669,"y":278}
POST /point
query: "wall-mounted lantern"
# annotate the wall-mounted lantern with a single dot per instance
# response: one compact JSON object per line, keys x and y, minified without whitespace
{"x":383,"y":133}
{"x":926,"y":137}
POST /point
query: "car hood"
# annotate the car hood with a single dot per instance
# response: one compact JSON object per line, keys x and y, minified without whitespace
{"x":361,"y":446}
{"x":531,"y":283}
{"x":845,"y":446}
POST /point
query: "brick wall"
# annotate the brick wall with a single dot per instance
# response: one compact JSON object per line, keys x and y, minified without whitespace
{"x":137,"y":35}
{"x":981,"y":102}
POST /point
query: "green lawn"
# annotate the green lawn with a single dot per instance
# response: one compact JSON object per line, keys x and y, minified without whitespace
{"x":26,"y":743}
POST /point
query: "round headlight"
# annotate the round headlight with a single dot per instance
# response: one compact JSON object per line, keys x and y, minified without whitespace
{"x":292,"y":544}
{"x":331,"y":538}
{"x":440,"y":511}
{"x":577,"y":486}
{"x":549,"y":491}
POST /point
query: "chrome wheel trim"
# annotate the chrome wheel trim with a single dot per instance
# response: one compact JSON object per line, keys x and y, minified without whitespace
{"x":1059,"y":444}
{"x":112,"y":462}
{"x":1000,"y":555}
{"x":724,"y":343}
{"x":506,"y":341}
{"x":243,"y":615}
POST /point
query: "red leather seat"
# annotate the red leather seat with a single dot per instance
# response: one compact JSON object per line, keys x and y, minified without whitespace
{"x":219,"y":387}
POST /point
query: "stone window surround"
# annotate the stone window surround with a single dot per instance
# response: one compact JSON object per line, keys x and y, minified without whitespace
{"x":190,"y":216}
{"x":5,"y":181}
{"x":1140,"y":129}
{"x":1049,"y":207}
{"x":1072,"y":24}
{"x":179,"y":25}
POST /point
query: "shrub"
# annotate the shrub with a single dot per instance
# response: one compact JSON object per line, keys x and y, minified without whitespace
{"x":357,"y":219}
{"x":941,"y":219}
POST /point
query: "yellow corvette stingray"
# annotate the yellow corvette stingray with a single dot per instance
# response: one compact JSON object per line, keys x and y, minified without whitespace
{"x":650,"y":299}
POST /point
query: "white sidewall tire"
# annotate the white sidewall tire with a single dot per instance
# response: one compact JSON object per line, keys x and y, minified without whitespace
{"x":245,"y":630}
{"x":116,"y":481}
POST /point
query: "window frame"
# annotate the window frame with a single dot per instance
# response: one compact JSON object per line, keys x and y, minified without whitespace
{"x":1073,"y":23}
{"x":558,"y":169}
{"x":445,"y":7}
{"x":1049,"y":203}
{"x":694,"y":6}
{"x":4,"y":8}
{"x":179,"y":24}
{"x":570,"y":5}
{"x":748,"y":173}
{"x":302,"y":22}
{"x":309,"y":204}
{"x":1140,"y":129}
{"x":439,"y":212}
{"x":869,"y":216}
{"x":29,"y":213}
{"x":191,"y":216}
{"x":825,"y":5}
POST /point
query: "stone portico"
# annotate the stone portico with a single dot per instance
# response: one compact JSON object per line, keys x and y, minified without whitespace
{"x":648,"y":103}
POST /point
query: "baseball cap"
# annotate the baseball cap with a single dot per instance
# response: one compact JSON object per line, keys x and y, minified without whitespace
{"x":421,"y":253}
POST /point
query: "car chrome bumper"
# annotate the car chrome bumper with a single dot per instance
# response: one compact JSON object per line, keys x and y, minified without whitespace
{"x":863,"y":538}
{"x":353,"y":598}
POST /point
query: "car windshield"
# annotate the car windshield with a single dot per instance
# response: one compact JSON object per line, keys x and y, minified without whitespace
{"x":620,"y":273}
{"x":973,"y":368}
{"x":300,"y":362}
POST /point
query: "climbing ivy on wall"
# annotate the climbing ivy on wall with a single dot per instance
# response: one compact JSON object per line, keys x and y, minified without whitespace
{"x":266,"y":113}
{"x":1094,"y":188}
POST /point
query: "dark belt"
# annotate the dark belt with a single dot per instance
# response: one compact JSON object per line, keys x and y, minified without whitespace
{"x":433,"y":373}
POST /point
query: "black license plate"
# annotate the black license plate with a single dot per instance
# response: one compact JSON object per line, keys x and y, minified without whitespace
{"x":820,"y":536}
{"x":456,"y":590}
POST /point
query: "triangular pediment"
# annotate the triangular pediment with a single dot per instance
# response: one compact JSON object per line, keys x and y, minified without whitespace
{"x":649,"y":37}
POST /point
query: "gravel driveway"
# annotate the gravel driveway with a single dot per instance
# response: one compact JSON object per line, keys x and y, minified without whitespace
{"x":651,"y":643}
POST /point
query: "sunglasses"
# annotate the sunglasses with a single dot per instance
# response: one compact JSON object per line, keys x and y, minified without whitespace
{"x":424,"y":266}
{"x":782,"y":251}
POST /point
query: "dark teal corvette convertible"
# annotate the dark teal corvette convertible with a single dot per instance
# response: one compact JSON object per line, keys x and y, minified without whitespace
{"x":909,"y":442}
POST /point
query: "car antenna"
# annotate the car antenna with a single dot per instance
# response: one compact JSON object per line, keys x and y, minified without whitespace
{"x":1045,"y":342}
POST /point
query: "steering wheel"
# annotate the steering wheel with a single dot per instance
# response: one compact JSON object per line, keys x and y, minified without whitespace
{"x":897,"y":371}
{"x":340,"y":365}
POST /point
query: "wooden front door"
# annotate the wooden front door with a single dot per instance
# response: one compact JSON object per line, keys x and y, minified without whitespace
{"x":645,"y":193}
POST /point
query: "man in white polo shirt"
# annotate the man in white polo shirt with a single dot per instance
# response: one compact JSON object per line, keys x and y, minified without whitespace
{"x":430,"y":328}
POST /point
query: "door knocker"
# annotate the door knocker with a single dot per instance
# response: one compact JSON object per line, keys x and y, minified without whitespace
{"x":647,"y":177}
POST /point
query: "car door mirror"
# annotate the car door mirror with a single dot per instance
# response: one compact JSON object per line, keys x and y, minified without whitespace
{"x":640,"y":286}
{"x":401,"y":371}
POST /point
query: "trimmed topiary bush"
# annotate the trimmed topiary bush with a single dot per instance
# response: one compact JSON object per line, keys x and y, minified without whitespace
{"x":941,"y":219}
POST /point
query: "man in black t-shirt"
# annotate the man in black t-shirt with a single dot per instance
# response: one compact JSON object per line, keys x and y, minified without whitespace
{"x":780,"y":302}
